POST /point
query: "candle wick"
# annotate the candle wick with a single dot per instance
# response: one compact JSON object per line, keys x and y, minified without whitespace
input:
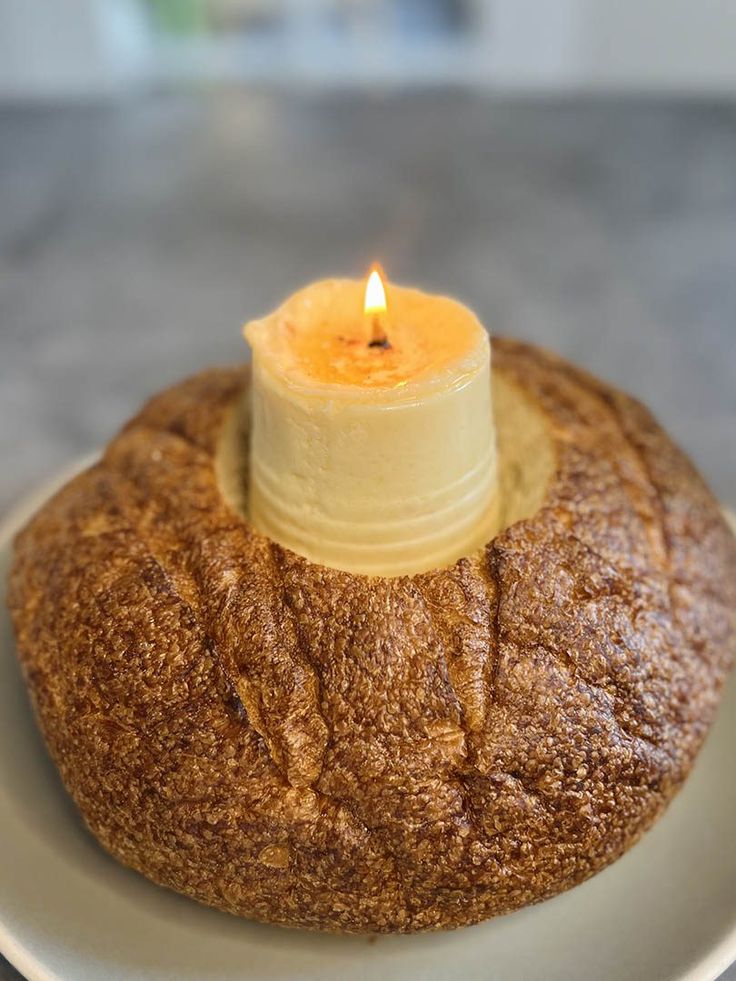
{"x":378,"y":334}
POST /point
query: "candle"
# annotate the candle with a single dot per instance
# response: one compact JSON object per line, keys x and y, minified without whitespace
{"x":372,"y":439}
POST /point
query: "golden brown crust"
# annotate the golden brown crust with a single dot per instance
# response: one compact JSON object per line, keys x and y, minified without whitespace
{"x":309,"y":747}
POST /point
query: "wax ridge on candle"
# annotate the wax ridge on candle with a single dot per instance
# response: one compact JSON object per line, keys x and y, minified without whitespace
{"x":321,"y":335}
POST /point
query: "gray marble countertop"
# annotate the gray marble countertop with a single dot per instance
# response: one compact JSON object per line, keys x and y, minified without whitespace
{"x":135,"y":239}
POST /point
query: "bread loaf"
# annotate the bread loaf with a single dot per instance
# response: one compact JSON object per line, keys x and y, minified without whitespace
{"x":314,"y":748}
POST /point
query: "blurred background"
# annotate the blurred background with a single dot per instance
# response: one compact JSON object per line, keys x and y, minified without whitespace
{"x":169,"y":168}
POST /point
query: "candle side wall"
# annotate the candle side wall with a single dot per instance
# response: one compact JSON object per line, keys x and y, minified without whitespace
{"x":384,"y":489}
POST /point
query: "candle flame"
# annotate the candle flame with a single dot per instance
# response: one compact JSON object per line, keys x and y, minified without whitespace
{"x":375,"y":294}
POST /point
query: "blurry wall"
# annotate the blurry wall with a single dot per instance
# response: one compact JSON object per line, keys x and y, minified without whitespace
{"x":59,"y":49}
{"x":685,"y":45}
{"x":93,"y":48}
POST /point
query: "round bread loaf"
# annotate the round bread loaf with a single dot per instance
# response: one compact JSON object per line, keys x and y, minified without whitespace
{"x":320,"y":749}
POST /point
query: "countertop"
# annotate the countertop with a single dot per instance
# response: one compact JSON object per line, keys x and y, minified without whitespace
{"x":136,"y":238}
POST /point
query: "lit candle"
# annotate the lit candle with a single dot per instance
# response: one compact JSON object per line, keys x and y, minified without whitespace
{"x":372,"y":440}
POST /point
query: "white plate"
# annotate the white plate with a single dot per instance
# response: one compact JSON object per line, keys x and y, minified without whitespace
{"x":665,"y":910}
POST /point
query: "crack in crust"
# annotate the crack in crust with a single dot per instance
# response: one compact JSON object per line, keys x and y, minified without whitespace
{"x":303,"y":746}
{"x":305,"y":756}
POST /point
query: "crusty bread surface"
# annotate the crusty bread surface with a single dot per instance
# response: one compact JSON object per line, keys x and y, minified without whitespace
{"x":314,"y":748}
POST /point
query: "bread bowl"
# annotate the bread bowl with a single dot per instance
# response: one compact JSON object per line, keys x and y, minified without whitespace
{"x":322,"y":749}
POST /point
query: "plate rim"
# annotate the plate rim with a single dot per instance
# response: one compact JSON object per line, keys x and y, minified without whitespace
{"x":709,"y":968}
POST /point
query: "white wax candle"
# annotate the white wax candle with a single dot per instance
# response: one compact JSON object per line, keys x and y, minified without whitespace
{"x":376,"y":458}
